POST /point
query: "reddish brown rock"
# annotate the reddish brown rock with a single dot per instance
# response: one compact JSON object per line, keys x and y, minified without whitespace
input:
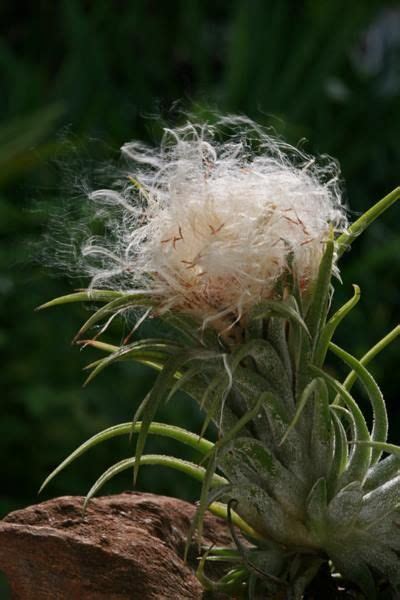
{"x":125,"y":547}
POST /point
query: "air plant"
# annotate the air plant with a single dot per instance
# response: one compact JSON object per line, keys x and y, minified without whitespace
{"x":235,"y":245}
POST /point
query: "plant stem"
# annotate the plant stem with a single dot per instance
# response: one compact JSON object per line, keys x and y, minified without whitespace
{"x":346,"y":239}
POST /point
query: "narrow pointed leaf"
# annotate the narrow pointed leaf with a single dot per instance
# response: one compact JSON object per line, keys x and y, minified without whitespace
{"x":321,"y":442}
{"x":177,"y":433}
{"x":246,"y":418}
{"x":197,"y":522}
{"x":331,"y":326}
{"x":316,"y":315}
{"x":345,"y":507}
{"x":111,"y":308}
{"x":150,"y":359}
{"x":246,"y":460}
{"x":385,"y":469}
{"x":159,"y":392}
{"x":278,"y":338}
{"x":185,"y":380}
{"x":83,"y":296}
{"x":380,"y":427}
{"x":306,"y":394}
{"x":360,"y":460}
{"x":191,"y":329}
{"x":382,"y":446}
{"x":278,"y":309}
{"x":110,"y":348}
{"x":380,"y":501}
{"x":220,"y":510}
{"x":340,"y":456}
{"x":317,"y":503}
{"x":154,"y":350}
{"x":267,"y":516}
{"x":185,"y":466}
{"x":345,"y":240}
{"x":269,"y":366}
{"x":376,"y":349}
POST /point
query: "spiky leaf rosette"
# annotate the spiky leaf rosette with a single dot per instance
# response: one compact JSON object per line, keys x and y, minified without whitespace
{"x":234,"y":246}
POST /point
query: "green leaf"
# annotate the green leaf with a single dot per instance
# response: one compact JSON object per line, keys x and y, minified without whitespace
{"x":331,"y":326}
{"x":266,"y":515}
{"x":340,"y":455}
{"x":246,"y":381}
{"x":316,"y":316}
{"x":226,"y":584}
{"x":185,"y":466}
{"x":110,"y":348}
{"x":250,"y":385}
{"x":345,"y":507}
{"x":197,"y":522}
{"x":345,"y":240}
{"x":247,"y":460}
{"x":149,"y":406}
{"x":186,"y":379}
{"x":379,"y":503}
{"x":83,"y":296}
{"x":157,"y":350}
{"x":316,"y":505}
{"x":195,"y":388}
{"x":281,"y":309}
{"x":214,"y":401}
{"x":270,"y":430}
{"x":385,"y":469}
{"x":204,"y":501}
{"x":113,"y":308}
{"x":382,"y":446}
{"x":378,"y":347}
{"x":360,"y":460}
{"x":380,"y":427}
{"x":321,"y":442}
{"x":277,"y":336}
{"x":177,"y":433}
{"x":307,"y":393}
{"x":265,"y":397}
{"x":299,"y":347}
{"x":149,"y":358}
{"x":269,"y":366}
{"x":191,"y":329}
{"x":220,"y":510}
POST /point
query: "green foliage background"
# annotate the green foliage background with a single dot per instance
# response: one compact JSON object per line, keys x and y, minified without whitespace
{"x":327,"y":71}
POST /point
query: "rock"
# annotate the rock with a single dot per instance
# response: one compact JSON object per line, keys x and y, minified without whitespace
{"x":125,"y":547}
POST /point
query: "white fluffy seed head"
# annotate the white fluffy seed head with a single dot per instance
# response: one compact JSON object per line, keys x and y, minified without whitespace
{"x":210,"y":226}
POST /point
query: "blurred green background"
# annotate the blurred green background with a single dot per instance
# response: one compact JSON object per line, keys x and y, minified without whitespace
{"x":326,"y":71}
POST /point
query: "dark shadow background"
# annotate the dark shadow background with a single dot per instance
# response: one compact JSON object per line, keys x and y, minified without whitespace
{"x":327,"y":71}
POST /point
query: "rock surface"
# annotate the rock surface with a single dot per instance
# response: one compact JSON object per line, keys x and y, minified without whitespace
{"x":128,"y":546}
